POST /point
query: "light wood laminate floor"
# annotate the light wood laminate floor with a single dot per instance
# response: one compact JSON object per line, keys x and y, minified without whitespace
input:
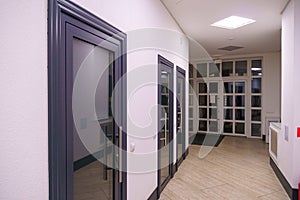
{"x":238,"y":169}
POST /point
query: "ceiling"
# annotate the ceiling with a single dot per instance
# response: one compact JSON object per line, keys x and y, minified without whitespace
{"x":195,"y":17}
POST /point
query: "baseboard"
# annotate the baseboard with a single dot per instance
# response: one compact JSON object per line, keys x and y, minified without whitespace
{"x":153,"y":196}
{"x":293,"y":193}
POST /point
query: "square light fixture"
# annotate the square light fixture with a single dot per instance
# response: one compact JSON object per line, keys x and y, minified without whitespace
{"x":233,"y":22}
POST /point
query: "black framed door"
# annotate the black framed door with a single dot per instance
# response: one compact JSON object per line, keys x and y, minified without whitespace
{"x":87,"y":110}
{"x":180,"y":110}
{"x":165,"y":122}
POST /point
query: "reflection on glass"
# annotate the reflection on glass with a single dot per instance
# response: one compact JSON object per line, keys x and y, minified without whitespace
{"x":240,"y":87}
{"x":256,"y":130}
{"x":228,"y":127}
{"x":191,"y":124}
{"x":240,"y":101}
{"x":228,"y":114}
{"x":256,"y":68}
{"x":213,"y":87}
{"x":241,"y":68}
{"x":213,"y":100}
{"x":202,"y":100}
{"x":213,"y":126}
{"x":201,"y":70}
{"x":202,"y":113}
{"x":191,"y":71}
{"x":256,"y":115}
{"x":214,"y":70}
{"x":256,"y":101}
{"x":191,"y":85}
{"x":228,"y":101}
{"x":256,"y":85}
{"x":240,"y":128}
{"x":202,"y":88}
{"x":180,"y":116}
{"x":240,"y":114}
{"x":164,"y":135}
{"x":213,"y":113}
{"x":191,"y":114}
{"x":93,"y":61}
{"x":227,"y":69}
{"x":228,"y":87}
{"x":202,"y":125}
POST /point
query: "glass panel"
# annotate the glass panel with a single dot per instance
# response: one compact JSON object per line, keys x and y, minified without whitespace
{"x":240,"y":114}
{"x":191,"y":123}
{"x":228,"y":87}
{"x":202,"y":100}
{"x":191,"y":87}
{"x":202,"y":113}
{"x":240,"y":87}
{"x":213,"y":126}
{"x":256,"y":85}
{"x":180,"y":116}
{"x":213,"y":100}
{"x":228,"y":114}
{"x":240,"y":128}
{"x":256,"y":101}
{"x":256,"y":130}
{"x":228,"y":127}
{"x":191,"y":114}
{"x":256,"y":68}
{"x":241,"y":68}
{"x":202,"y":88}
{"x":214,"y":70}
{"x":202,"y":70}
{"x":240,"y":101}
{"x":256,"y":115}
{"x":227,"y":69}
{"x":228,"y":100}
{"x":213,"y":87}
{"x":202,"y":125}
{"x":92,"y":62}
{"x":213,"y":113}
{"x":191,"y":71}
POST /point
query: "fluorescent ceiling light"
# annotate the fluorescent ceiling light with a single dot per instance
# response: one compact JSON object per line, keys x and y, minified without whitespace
{"x":233,"y":22}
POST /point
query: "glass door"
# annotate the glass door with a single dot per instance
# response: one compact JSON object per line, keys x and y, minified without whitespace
{"x":94,"y":117}
{"x":234,"y":102}
{"x":165,"y":116}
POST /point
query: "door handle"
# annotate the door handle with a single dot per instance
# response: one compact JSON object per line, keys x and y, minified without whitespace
{"x":120,"y":154}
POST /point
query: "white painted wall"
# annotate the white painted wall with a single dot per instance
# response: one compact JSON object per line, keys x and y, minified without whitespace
{"x":288,"y":157}
{"x":23,"y":107}
{"x":151,"y":31}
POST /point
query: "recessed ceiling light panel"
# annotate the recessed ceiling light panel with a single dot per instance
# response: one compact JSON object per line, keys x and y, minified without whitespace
{"x":233,"y":22}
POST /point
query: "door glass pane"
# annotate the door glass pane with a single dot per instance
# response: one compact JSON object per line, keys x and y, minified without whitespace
{"x":240,"y":101}
{"x":180,"y":116}
{"x":256,"y":85}
{"x":228,"y":87}
{"x":256,"y":115}
{"x":214,"y":70}
{"x":256,"y":101}
{"x":202,"y":100}
{"x":191,"y":114}
{"x":256,"y":68}
{"x":228,"y":101}
{"x":165,"y":130}
{"x":241,"y":68}
{"x":256,"y":130}
{"x":240,"y":128}
{"x":202,"y":88}
{"x":93,"y":135}
{"x":227,"y":69}
{"x":213,"y":113}
{"x":240,"y":87}
{"x":191,"y":71}
{"x":202,"y":125}
{"x":213,"y":100}
{"x":213,"y":87}
{"x":228,"y":127}
{"x":228,"y":114}
{"x":240,"y":114}
{"x":201,"y":70}
{"x":213,"y":126}
{"x":191,"y":123}
{"x":202,"y":113}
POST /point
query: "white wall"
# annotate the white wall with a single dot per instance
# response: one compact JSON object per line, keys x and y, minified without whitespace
{"x":288,"y":157}
{"x":151,"y":31}
{"x":23,"y":107}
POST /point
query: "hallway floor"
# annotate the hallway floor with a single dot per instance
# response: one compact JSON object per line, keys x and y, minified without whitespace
{"x":237,"y":169}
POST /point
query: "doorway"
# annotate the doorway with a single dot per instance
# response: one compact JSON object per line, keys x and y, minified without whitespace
{"x":87,"y":108}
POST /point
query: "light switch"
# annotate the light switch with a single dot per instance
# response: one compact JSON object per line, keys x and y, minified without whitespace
{"x":132,"y":147}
